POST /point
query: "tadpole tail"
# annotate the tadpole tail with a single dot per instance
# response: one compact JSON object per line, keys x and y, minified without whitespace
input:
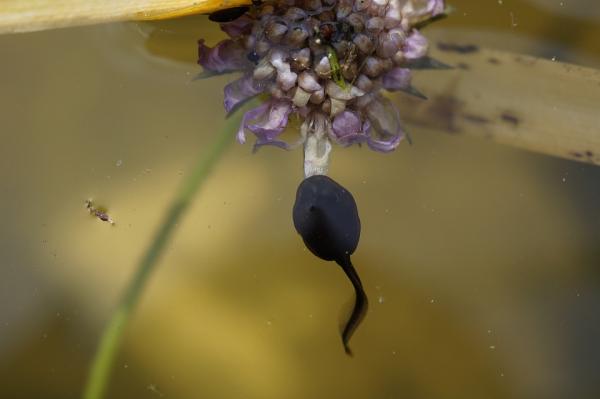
{"x":361,"y":303}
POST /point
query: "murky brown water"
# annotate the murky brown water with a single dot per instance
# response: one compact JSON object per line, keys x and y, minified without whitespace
{"x":481,"y":261}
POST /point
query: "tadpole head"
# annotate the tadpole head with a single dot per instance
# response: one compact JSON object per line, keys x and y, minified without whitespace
{"x":326,"y":217}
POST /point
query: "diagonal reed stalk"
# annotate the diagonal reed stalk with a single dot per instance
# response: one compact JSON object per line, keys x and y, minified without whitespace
{"x":108,"y":346}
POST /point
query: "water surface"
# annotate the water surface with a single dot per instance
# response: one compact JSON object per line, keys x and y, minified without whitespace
{"x":480,"y":260}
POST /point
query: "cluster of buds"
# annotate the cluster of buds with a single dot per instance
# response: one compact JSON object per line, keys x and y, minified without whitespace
{"x":326,"y":61}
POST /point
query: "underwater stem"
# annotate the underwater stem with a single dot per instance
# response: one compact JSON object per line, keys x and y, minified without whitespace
{"x":106,"y":352}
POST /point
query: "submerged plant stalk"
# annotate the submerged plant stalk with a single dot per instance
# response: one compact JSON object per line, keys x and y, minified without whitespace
{"x":108,"y":346}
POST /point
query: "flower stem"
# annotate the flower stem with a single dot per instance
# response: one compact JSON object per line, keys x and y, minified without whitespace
{"x":106,"y":352}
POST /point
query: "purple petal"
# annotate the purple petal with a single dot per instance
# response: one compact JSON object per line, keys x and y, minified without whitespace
{"x":270,"y":120}
{"x":384,"y":145}
{"x":386,"y":122}
{"x":285,"y":77}
{"x":347,"y":130}
{"x":309,"y":82}
{"x":396,"y":79}
{"x":390,"y":42}
{"x":248,"y":116}
{"x":345,"y":124}
{"x":435,"y":7}
{"x":366,"y":127}
{"x":415,"y":46}
{"x":239,"y":91}
{"x":226,"y":56}
{"x":393,"y":14}
{"x":383,"y":115}
{"x":238,"y":27}
{"x":272,"y":123}
{"x":419,"y":10}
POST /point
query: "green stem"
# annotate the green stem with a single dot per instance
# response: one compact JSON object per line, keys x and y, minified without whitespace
{"x":109,"y":343}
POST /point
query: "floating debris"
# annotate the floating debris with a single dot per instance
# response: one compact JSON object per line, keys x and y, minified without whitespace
{"x":98,"y":212}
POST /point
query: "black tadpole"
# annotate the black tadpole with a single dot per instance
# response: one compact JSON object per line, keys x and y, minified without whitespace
{"x":326,"y":217}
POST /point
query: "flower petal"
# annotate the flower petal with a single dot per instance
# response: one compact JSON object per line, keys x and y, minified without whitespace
{"x":241,"y":90}
{"x":270,"y":120}
{"x":248,"y":116}
{"x":384,"y":145}
{"x":386,"y":122}
{"x":393,"y":14}
{"x":309,"y":82}
{"x":396,"y":79}
{"x":272,"y":123}
{"x":285,"y":77}
{"x":226,"y":56}
{"x":347,"y":128}
{"x":238,"y":26}
{"x":415,"y":46}
{"x":419,"y":10}
{"x":390,"y":42}
{"x":334,"y":91}
{"x":347,"y":123}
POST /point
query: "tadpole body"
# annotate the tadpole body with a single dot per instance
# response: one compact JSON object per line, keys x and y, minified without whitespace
{"x":326,"y":216}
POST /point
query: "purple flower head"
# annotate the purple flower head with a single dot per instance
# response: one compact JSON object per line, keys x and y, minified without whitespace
{"x":327,"y":61}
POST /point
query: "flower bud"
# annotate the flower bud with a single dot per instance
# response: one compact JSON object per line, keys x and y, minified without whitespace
{"x":373,"y":67}
{"x":296,"y":36}
{"x":364,"y":44}
{"x":294,"y":14}
{"x":356,"y":21}
{"x":264,"y":70}
{"x":337,"y":106}
{"x":323,"y":68}
{"x":275,"y":31}
{"x":308,"y":81}
{"x":301,"y":59}
{"x":375,"y":24}
{"x":364,"y":83}
{"x":318,"y":96}
{"x":360,"y":5}
{"x":301,"y":97}
{"x":344,"y":8}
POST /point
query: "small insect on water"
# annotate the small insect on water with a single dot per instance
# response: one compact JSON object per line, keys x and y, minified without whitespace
{"x":326,"y":216}
{"x":100,"y":213}
{"x":336,"y":71}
